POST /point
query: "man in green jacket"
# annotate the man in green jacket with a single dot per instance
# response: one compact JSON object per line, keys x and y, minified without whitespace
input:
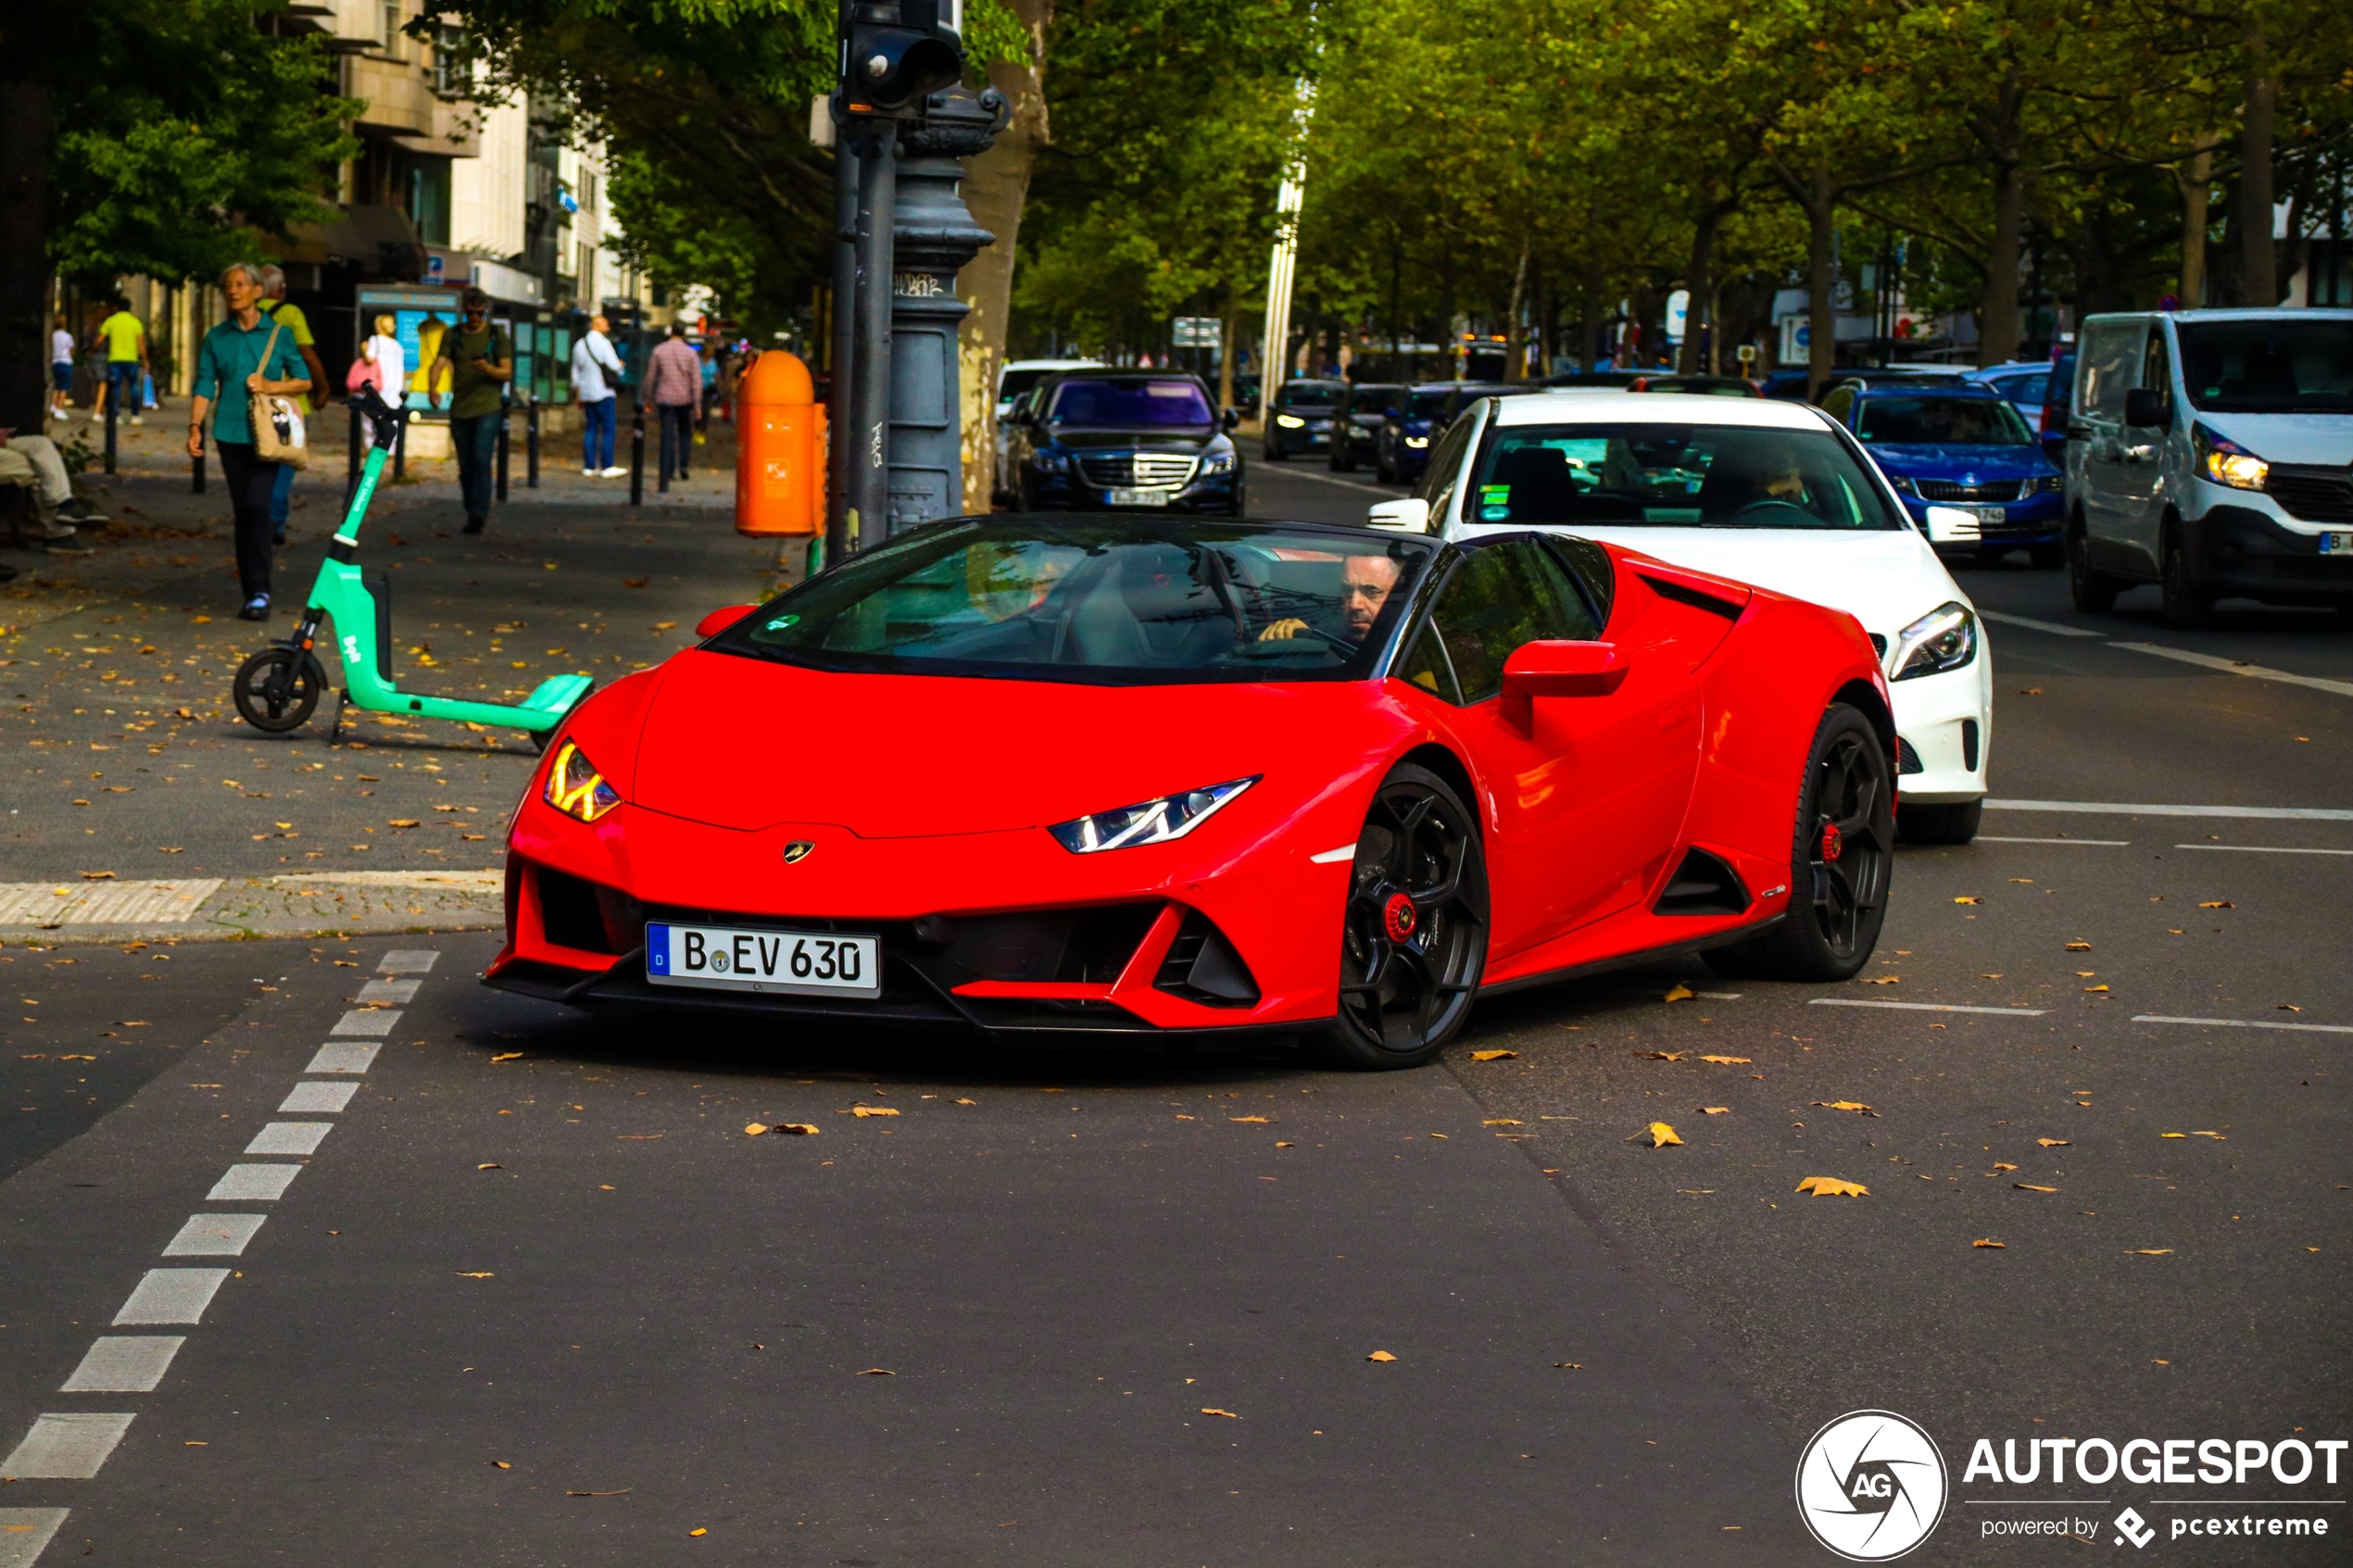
{"x":480,"y":363}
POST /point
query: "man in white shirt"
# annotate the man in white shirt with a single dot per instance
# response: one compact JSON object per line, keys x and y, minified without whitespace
{"x":595,"y":374}
{"x":60,"y":371}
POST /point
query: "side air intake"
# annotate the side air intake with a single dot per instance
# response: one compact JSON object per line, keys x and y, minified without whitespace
{"x":1703,"y":885}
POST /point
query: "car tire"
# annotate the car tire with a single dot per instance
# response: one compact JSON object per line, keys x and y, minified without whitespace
{"x":1275,"y":454}
{"x":1419,"y":865}
{"x":2189,"y":605}
{"x":1950,"y":822}
{"x":1838,"y":879}
{"x":2046,"y":557}
{"x":2093,"y":591}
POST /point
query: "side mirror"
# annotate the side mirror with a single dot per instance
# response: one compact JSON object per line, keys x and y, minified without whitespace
{"x":1408,"y":516}
{"x":718,"y":620}
{"x":1228,"y":419}
{"x":1560,"y":668}
{"x":2147,"y":407}
{"x":1950,"y":525}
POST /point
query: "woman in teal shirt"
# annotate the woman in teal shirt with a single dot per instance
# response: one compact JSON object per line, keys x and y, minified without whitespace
{"x":239,"y":357}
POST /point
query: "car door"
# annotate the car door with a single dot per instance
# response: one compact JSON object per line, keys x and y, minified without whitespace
{"x":1442,"y":475}
{"x":2140,"y":469}
{"x":2110,"y":360}
{"x":1579,"y":786}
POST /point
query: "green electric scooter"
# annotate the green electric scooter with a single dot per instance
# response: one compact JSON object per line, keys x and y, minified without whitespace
{"x":279,"y":688}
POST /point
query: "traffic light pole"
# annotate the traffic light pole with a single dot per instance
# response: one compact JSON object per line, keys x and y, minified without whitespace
{"x":843,"y":333}
{"x":867,"y":436}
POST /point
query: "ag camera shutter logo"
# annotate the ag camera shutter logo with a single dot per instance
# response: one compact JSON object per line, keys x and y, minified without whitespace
{"x":1871,"y":1486}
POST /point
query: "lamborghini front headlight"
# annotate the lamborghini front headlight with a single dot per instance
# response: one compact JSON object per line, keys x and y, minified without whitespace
{"x":1148,"y":821}
{"x":576,"y":788}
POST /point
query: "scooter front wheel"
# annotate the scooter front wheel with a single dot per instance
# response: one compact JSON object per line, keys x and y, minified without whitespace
{"x":278,"y":689}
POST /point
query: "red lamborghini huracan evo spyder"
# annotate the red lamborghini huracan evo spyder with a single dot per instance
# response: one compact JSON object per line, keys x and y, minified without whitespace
{"x":1152,"y":775}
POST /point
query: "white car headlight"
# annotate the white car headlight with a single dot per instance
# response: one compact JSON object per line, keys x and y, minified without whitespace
{"x":1148,"y":821}
{"x":1290,"y":421}
{"x":2227,"y":462}
{"x":1218,"y":462}
{"x":1945,"y":638}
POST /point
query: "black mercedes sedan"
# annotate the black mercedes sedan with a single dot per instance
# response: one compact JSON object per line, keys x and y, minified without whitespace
{"x":1096,"y":439}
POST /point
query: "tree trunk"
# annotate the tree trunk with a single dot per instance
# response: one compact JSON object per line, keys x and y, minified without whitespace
{"x":1516,"y":340}
{"x":1821,"y":262}
{"x":2258,"y":282}
{"x":1589,"y":317}
{"x":2197,"y":190}
{"x":1699,"y":281}
{"x":1997,"y":322}
{"x":24,"y":259}
{"x":996,"y":186}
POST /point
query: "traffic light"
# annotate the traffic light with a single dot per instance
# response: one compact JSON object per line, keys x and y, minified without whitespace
{"x":897,"y":55}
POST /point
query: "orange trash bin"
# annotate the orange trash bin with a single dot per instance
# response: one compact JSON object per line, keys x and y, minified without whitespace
{"x":780,"y":473}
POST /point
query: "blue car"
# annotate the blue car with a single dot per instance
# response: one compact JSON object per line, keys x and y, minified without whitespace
{"x":1961,"y":445}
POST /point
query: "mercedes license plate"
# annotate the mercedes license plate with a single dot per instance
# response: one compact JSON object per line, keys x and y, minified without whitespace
{"x":1990,"y":514}
{"x":1138,"y":498}
{"x":793,"y":963}
{"x":2337,"y":542}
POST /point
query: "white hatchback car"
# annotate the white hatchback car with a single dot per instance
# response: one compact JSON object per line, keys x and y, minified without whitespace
{"x":1770,"y":492}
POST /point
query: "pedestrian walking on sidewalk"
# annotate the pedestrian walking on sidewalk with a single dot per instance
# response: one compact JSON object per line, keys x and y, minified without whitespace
{"x":674,"y":382}
{"x":273,"y":305}
{"x":246,"y":354}
{"x":60,"y":371}
{"x":390,"y":362}
{"x":126,"y":339}
{"x":596,"y":375}
{"x":480,"y":363}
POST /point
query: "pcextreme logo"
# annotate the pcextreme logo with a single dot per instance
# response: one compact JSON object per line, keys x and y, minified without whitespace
{"x":1870,"y":1485}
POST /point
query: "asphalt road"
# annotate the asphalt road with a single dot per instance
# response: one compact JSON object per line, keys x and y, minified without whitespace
{"x":542,"y":1300}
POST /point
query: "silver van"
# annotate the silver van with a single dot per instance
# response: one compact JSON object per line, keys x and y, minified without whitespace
{"x":2211,"y":452}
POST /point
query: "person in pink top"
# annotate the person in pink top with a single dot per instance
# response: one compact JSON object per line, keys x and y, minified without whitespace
{"x":674,"y":383}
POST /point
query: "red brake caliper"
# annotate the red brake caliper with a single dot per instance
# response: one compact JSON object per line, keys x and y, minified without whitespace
{"x":1399,"y":917}
{"x":1834,"y":845}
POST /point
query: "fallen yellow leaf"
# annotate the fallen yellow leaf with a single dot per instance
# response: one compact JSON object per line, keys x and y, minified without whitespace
{"x":878,"y":1371}
{"x":2218,"y":904}
{"x":1212,"y":1409}
{"x":753,"y":1129}
{"x":1572,"y":1366}
{"x":1662,"y":1056}
{"x":501,"y":1464}
{"x":1830,"y":1186}
{"x":2002,"y":1165}
{"x":1659,"y":1134}
{"x":2029,"y":1187}
{"x":968,"y":1102}
{"x":506,"y":1056}
{"x":484,"y":1275}
{"x":2172,"y":1134}
{"x":1258,"y":1119}
{"x":2151,"y":1252}
{"x":490,"y":1165}
{"x":1501,"y":1122}
{"x":2079,"y":947}
{"x":1883,"y":980}
{"x":1969,"y":899}
{"x":1380,"y":1356}
{"x":1854,"y":1105}
{"x":1679,"y":994}
{"x":865,"y":1110}
{"x":2215,"y":1136}
{"x":799,"y":1129}
{"x":1494,"y":1056}
{"x":401,"y":821}
{"x":1981,"y":1242}
{"x":2052,"y":1143}
{"x":1729,"y":1061}
{"x":698,"y":1530}
{"x":2091,"y":988}
{"x":1715,"y":1110}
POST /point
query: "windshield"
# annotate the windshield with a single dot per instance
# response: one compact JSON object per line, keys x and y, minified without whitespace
{"x":1372,"y":396}
{"x":1012,"y":384}
{"x":1427,"y":402}
{"x":1320,"y":393}
{"x":1125,"y":404}
{"x":1941,"y":422}
{"x":1103,"y":602}
{"x":1674,"y":475}
{"x":2268,"y":366}
{"x":2024,"y":389}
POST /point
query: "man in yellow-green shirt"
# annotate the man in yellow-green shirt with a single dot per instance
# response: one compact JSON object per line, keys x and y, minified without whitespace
{"x":126,"y":339}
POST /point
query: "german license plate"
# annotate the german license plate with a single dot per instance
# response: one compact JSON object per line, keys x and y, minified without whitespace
{"x":1990,"y":514}
{"x":2337,"y":542}
{"x":793,"y":963}
{"x":1139,"y":498}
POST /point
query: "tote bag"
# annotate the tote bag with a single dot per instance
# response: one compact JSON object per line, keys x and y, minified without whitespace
{"x":278,"y":435}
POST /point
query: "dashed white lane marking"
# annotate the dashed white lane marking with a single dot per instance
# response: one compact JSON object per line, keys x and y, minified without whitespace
{"x":409,"y":960}
{"x":253,"y":1183}
{"x":1333,"y":857}
{"x":26,"y":1532}
{"x":124,"y":1364}
{"x":2247,"y":1023}
{"x":214,"y":1235}
{"x":66,"y":1446}
{"x":2113,"y":808}
{"x":1919,"y":1007}
{"x":319,"y":1096}
{"x":2235,"y":667}
{"x":371,"y":1022}
{"x":2053,"y":627}
{"x":343,"y":1056}
{"x":2262,"y":850}
{"x":389,"y":991}
{"x":2097,"y":843}
{"x":290,"y":1137}
{"x":171,"y":1296}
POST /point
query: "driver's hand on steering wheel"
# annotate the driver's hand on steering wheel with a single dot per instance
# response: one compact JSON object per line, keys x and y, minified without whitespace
{"x":1290,"y":626}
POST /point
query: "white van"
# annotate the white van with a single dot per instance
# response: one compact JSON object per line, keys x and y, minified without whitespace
{"x":2211,"y":452}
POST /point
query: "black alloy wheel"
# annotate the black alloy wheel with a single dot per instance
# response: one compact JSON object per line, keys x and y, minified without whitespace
{"x":1840,"y":862}
{"x":2093,"y":591}
{"x":2189,"y":604}
{"x":278,"y":689}
{"x":1414,"y":933}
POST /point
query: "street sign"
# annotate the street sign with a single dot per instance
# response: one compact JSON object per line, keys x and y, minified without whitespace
{"x":1199,"y":331}
{"x":1679,"y":311}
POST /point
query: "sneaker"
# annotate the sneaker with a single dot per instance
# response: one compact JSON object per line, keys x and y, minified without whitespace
{"x":616,"y":472}
{"x":257,"y":608}
{"x":65,"y":543}
{"x":589,"y":473}
{"x":75,"y":509}
{"x":137,"y":421}
{"x":475,"y":525}
{"x":58,"y":534}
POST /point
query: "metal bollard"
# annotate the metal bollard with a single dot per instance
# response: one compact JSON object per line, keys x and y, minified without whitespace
{"x":400,"y":449}
{"x":505,"y":442}
{"x":531,"y":445}
{"x":637,"y":451}
{"x":661,"y":444}
{"x":351,"y":460}
{"x":111,"y":401}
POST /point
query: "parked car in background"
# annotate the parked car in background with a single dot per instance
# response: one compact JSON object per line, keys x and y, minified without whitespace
{"x":1300,"y":419}
{"x":1607,"y":380}
{"x":1759,"y":491}
{"x":1404,"y":442}
{"x":1112,"y":439}
{"x":1013,"y":382}
{"x":2211,"y":453}
{"x":1363,"y":408}
{"x":1786,"y":386}
{"x":1714,"y":387}
{"x":1959,"y":444}
{"x":2050,"y":426}
{"x":2023,"y":381}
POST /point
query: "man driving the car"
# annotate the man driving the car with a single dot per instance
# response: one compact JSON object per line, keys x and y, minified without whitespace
{"x":1365,"y":585}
